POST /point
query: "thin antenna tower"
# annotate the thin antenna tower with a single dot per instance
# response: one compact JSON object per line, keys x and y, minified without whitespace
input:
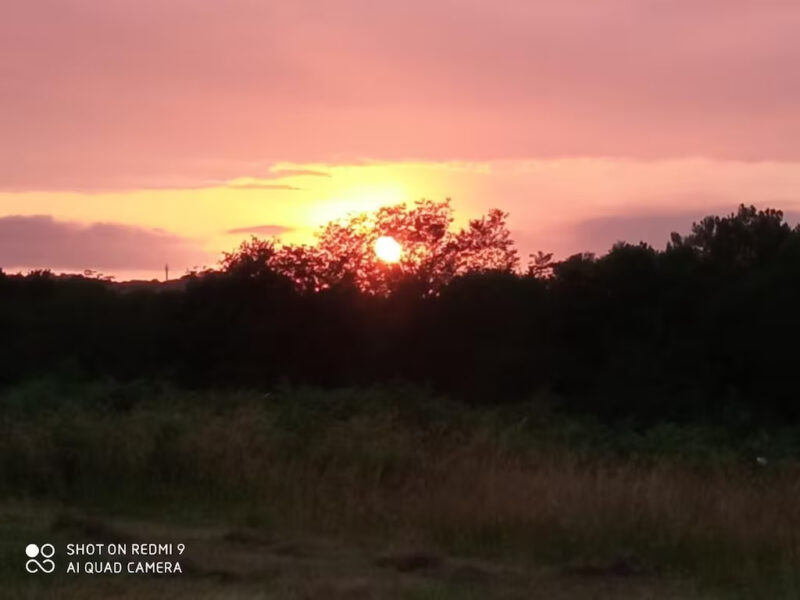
{"x":166,"y":272}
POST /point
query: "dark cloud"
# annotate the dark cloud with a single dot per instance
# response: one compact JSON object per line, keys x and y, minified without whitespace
{"x":40,"y":241}
{"x":264,"y":229}
{"x":600,"y":233}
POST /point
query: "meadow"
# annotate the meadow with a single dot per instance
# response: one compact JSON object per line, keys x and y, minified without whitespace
{"x":392,"y":492}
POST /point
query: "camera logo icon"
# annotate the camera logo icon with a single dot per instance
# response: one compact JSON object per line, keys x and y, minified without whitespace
{"x":45,"y":552}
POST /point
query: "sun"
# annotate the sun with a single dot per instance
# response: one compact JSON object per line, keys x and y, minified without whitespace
{"x":388,"y":249}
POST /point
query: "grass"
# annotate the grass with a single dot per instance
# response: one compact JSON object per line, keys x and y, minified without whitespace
{"x":515,"y":490}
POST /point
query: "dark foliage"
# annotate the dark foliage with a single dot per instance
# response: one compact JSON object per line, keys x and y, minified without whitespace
{"x":703,"y":330}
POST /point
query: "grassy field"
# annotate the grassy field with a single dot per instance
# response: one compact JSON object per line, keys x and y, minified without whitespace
{"x":389,"y":493}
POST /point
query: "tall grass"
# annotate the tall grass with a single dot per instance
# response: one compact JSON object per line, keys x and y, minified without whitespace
{"x":401,"y":465}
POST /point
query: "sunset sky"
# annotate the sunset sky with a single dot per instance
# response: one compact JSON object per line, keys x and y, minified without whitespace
{"x":139,"y":133}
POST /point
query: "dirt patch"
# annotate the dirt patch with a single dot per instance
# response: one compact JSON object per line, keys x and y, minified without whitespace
{"x":622,"y":567}
{"x":408,"y":562}
{"x":470,"y":573}
{"x":352,"y":589}
{"x":245,"y":563}
{"x":250,"y":539}
{"x":89,"y":527}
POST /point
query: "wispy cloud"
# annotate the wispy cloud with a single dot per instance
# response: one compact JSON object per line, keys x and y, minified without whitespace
{"x":263,"y":229}
{"x":262,"y":186}
{"x":280,"y":173}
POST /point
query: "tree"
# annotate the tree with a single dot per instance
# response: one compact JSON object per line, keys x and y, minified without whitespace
{"x":251,"y":259}
{"x":541,"y":265}
{"x":741,"y":239}
{"x":344,"y":255}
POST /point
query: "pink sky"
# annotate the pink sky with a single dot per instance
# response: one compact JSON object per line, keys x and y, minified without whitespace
{"x":687,"y":107}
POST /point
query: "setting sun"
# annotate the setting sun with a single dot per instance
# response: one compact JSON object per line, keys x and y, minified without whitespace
{"x":388,"y":249}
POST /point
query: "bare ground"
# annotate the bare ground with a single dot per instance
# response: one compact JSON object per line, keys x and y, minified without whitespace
{"x":249,"y":564}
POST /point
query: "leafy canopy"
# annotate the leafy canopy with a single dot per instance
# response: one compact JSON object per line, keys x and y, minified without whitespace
{"x":433,"y":254}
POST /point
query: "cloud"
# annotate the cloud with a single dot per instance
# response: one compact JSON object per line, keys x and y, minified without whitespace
{"x":263,"y":229}
{"x":40,"y":241}
{"x":130,"y":94}
{"x":262,"y":186}
{"x":280,"y":173}
{"x":600,"y":234}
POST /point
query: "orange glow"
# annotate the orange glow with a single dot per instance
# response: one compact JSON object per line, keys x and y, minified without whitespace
{"x":387,"y":249}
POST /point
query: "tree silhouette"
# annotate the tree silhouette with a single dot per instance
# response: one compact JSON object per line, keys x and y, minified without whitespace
{"x":738,"y":240}
{"x":344,"y":255}
{"x":541,"y":264}
{"x":703,"y":330}
{"x":252,"y":259}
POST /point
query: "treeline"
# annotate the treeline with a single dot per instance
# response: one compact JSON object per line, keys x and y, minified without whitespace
{"x":706,"y":329}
